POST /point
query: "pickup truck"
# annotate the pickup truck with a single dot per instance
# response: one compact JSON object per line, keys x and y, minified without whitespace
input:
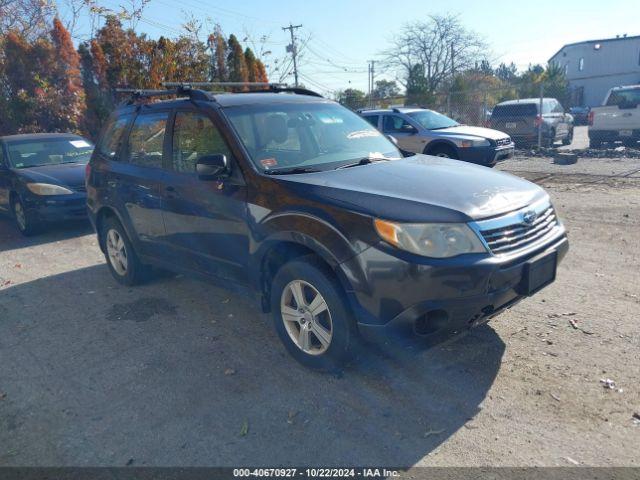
{"x":618,"y":119}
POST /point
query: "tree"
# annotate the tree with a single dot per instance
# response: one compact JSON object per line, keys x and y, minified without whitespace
{"x":218,"y":46}
{"x":385,"y":89}
{"x":66,"y":82}
{"x":252,"y":65}
{"x":441,"y":45}
{"x":506,"y":73}
{"x":418,"y":91}
{"x":352,"y":98}
{"x":236,"y":62}
{"x":31,"y":18}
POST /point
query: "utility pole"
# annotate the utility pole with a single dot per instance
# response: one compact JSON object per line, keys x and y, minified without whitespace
{"x":293,"y":49}
{"x":372,"y":86}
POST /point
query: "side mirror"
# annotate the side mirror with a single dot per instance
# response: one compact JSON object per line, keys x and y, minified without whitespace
{"x":210,"y":167}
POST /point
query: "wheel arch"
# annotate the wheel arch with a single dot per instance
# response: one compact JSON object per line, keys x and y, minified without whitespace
{"x":432,"y":146}
{"x":282,"y":248}
{"x":104,"y":213}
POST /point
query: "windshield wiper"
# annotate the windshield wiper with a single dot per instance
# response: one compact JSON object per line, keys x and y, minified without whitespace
{"x":288,"y":171}
{"x":364,"y":161}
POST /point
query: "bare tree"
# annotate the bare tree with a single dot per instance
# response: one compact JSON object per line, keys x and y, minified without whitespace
{"x":32,"y":18}
{"x":437,"y":48}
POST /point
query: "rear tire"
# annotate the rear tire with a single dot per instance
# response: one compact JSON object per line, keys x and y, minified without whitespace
{"x":443,"y":151}
{"x":122,"y":260}
{"x":26,"y":223}
{"x":311,"y":316}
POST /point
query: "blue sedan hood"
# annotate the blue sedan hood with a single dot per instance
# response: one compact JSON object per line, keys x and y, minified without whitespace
{"x":66,"y":175}
{"x":421,"y":188}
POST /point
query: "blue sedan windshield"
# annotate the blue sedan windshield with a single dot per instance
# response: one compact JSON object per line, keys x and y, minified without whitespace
{"x":36,"y":153}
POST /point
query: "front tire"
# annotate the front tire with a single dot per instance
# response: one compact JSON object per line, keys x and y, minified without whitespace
{"x":310,"y":315}
{"x":26,"y":224}
{"x":122,"y":259}
{"x":443,"y":151}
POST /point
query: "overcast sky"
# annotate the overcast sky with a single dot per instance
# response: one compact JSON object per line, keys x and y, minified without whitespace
{"x":344,"y":34}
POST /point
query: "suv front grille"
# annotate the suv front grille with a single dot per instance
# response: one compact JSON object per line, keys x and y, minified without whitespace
{"x":501,"y":142}
{"x":519,"y":234}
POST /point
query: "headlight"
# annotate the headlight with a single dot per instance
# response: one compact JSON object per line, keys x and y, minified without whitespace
{"x":437,"y":240}
{"x":475,"y":143}
{"x":48,"y":189}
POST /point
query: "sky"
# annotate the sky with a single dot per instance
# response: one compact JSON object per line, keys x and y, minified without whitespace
{"x":341,"y":36}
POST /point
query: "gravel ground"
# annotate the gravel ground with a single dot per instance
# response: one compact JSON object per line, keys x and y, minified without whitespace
{"x":178,"y":372}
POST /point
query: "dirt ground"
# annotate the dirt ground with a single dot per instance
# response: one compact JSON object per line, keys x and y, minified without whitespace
{"x":178,"y":372}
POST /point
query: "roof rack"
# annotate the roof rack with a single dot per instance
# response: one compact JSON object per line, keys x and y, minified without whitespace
{"x":266,"y":87}
{"x":194,"y":92}
{"x":179,"y":90}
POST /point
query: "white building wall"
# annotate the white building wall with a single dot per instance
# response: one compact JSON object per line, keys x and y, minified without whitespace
{"x":605,"y":64}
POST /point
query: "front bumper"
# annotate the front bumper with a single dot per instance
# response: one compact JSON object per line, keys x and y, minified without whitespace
{"x":56,"y":208}
{"x":488,"y":156}
{"x":398,"y":295}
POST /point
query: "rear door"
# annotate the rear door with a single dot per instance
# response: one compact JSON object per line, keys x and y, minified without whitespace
{"x":205,"y":220}
{"x":138,"y":178}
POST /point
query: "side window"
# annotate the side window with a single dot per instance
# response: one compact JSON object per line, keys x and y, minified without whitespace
{"x":394,"y":123}
{"x":194,"y":135}
{"x":373,"y":120}
{"x":111,"y":140}
{"x":147,"y":138}
{"x":558,"y":108}
{"x":546,"y":106}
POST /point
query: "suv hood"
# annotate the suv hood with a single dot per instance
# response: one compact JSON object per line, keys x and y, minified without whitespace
{"x":66,"y":174}
{"x":418,"y":189}
{"x":465,"y":130}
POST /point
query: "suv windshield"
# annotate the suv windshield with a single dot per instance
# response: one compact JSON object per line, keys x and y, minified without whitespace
{"x":432,"y":120}
{"x":307,"y":136}
{"x":36,"y":153}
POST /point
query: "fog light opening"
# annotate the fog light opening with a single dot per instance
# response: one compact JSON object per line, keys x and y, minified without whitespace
{"x":430,"y":322}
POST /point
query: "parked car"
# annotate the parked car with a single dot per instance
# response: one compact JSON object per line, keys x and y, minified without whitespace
{"x":301,"y":204}
{"x":42,"y":178}
{"x":580,"y":115}
{"x":521,"y":118}
{"x":419,"y":130}
{"x":618,"y":119}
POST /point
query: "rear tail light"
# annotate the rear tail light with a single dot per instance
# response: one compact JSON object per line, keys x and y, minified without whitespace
{"x":590,"y":119}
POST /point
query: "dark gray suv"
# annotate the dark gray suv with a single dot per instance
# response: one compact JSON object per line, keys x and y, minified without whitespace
{"x":521,"y":119}
{"x":304,"y":207}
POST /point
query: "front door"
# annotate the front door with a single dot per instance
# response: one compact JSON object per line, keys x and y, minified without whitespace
{"x":405,"y":133}
{"x":205,"y":220}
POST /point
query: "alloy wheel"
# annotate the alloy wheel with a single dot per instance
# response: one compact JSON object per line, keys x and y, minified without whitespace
{"x":21,"y":218}
{"x":306,"y":317}
{"x":117,"y":252}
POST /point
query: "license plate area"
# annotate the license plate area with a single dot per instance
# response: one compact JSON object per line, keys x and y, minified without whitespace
{"x":510,"y":125}
{"x":625,"y":133}
{"x":538,"y":273}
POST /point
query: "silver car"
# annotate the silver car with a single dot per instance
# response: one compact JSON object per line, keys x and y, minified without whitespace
{"x":425,"y":131}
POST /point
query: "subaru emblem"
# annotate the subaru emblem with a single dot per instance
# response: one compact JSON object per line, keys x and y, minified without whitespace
{"x":529,"y":217}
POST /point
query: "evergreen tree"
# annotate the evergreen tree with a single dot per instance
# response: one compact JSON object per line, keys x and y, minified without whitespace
{"x":236,"y":62}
